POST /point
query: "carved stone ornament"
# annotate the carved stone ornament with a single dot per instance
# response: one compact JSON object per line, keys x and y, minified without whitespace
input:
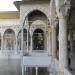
{"x":64,"y":8}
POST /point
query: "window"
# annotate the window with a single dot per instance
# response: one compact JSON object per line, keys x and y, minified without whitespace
{"x":38,"y":40}
{"x":9,"y":40}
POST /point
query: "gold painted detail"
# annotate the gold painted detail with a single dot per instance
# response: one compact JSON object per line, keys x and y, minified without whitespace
{"x":62,"y":17}
{"x":9,"y":15}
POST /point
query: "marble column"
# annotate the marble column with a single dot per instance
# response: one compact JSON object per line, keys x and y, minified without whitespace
{"x":54,"y":42}
{"x":31,"y":44}
{"x":49,"y":49}
{"x":63,"y":61}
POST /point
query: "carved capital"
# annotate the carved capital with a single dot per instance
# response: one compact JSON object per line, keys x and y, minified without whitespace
{"x":64,"y":8}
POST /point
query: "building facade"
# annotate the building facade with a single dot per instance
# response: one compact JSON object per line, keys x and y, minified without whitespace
{"x":38,"y":39}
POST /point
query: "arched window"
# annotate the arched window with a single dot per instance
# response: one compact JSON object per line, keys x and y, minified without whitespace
{"x":38,"y":40}
{"x":9,"y":39}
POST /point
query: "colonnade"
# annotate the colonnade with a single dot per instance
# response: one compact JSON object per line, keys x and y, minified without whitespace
{"x":63,"y":60}
{"x":63,"y":37}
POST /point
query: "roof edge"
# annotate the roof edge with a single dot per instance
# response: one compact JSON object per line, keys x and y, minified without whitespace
{"x":18,"y":3}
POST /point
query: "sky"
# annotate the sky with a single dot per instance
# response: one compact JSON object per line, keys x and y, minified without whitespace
{"x":7,"y":5}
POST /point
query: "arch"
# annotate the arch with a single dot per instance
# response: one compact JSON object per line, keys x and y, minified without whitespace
{"x":39,"y":30}
{"x":38,"y":39}
{"x":9,"y":30}
{"x":32,"y":11}
{"x":35,"y":9}
{"x":36,"y":12}
{"x":9,"y":39}
{"x":38,"y":22}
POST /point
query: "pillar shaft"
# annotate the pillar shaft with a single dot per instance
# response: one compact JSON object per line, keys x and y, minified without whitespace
{"x":31,"y":44}
{"x":54,"y":44}
{"x":49,"y":50}
{"x":63,"y":42}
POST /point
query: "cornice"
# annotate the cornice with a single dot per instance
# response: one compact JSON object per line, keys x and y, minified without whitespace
{"x":18,"y":3}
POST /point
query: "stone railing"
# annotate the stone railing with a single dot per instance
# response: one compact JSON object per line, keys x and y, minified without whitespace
{"x":49,"y":62}
{"x":11,"y":52}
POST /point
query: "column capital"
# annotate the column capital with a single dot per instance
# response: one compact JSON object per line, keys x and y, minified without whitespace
{"x":62,"y":7}
{"x":63,"y":11}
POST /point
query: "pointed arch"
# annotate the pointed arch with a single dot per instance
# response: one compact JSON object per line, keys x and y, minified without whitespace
{"x":33,"y":10}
